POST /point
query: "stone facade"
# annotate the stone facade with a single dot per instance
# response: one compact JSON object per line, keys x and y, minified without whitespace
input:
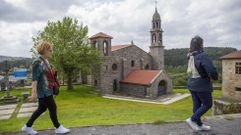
{"x":154,"y":90}
{"x":121,"y":60}
{"x":160,"y":85}
{"x":231,"y":80}
{"x":134,"y":90}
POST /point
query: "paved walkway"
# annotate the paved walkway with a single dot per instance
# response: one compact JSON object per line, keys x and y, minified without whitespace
{"x":6,"y":111}
{"x":26,"y":110}
{"x":165,"y":100}
{"x":221,"y":126}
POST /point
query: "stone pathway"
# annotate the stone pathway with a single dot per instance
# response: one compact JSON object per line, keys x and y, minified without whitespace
{"x":164,"y":100}
{"x":6,"y":111}
{"x":220,"y":126}
{"x":27,"y":109}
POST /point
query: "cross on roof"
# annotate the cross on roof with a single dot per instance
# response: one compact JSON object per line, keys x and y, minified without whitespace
{"x":156,"y":4}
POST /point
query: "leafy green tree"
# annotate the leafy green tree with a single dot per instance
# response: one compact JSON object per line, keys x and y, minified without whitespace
{"x":72,"y":51}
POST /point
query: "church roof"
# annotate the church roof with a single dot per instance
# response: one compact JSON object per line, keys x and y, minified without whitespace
{"x":101,"y":35}
{"x":117,"y":47}
{"x":141,"y":77}
{"x":156,"y":16}
{"x":232,"y":55}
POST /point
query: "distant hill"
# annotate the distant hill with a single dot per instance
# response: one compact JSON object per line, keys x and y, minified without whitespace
{"x":14,"y":62}
{"x":178,"y":57}
{"x":176,"y":62}
{"x":10,"y":58}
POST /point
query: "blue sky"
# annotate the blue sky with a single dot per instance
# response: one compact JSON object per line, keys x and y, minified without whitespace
{"x":217,"y":21}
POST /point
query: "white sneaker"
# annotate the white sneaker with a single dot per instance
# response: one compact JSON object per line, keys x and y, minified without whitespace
{"x":29,"y":130}
{"x":61,"y":130}
{"x":193,"y":125}
{"x":205,"y":127}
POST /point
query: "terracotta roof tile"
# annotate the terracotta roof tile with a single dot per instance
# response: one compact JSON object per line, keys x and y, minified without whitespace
{"x":142,"y":77}
{"x":232,"y":55}
{"x":101,"y":34}
{"x":117,"y":47}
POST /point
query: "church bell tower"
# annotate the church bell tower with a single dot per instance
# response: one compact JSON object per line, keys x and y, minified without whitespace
{"x":157,"y":48}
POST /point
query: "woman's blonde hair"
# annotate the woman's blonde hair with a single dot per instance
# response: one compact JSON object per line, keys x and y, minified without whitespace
{"x":43,"y":46}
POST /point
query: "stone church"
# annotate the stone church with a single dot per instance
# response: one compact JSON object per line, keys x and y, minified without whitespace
{"x":129,"y":70}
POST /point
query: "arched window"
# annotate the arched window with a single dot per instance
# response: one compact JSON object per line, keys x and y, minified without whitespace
{"x":153,"y":38}
{"x":114,"y":66}
{"x":95,"y":44}
{"x":105,"y":48}
{"x":132,"y":63}
{"x":157,"y":25}
{"x":160,"y":37}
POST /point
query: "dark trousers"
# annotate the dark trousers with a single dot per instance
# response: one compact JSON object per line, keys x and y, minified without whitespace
{"x":43,"y":104}
{"x":202,"y":102}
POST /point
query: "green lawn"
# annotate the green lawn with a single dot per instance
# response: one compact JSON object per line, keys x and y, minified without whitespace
{"x":82,"y":107}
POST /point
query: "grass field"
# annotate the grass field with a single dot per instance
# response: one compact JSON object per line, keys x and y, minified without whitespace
{"x":83,"y":107}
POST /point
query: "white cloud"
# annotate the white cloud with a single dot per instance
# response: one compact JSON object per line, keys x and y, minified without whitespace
{"x":16,"y":38}
{"x":17,"y":3}
{"x":216,"y":21}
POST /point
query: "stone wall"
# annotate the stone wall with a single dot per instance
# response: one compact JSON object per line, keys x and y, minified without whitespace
{"x":133,"y":90}
{"x":98,"y":43}
{"x":230,"y":80}
{"x":221,"y":106}
{"x":150,"y":91}
{"x":157,"y":53}
{"x":135,"y":53}
{"x":108,"y":75}
{"x":153,"y":89}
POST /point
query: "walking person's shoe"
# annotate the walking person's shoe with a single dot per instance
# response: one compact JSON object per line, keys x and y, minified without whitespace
{"x":29,"y":130}
{"x":205,"y":127}
{"x":193,"y":125}
{"x":61,"y":130}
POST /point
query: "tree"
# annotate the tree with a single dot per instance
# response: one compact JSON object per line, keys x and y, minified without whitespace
{"x":72,"y":51}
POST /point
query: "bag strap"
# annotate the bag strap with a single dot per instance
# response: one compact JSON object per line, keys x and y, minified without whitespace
{"x":48,"y":69}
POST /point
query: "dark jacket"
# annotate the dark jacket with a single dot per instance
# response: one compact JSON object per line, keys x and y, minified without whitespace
{"x":207,"y":72}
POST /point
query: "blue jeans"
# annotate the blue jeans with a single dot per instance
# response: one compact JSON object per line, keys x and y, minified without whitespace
{"x":202,"y":102}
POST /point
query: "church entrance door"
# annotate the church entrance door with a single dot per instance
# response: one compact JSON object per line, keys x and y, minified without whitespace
{"x":162,"y":88}
{"x":115,"y":85}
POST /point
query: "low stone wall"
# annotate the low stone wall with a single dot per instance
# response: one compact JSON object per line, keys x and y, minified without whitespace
{"x":225,"y":107}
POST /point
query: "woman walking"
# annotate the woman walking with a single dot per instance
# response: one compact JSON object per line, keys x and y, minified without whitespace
{"x":201,"y":72}
{"x":42,"y":89}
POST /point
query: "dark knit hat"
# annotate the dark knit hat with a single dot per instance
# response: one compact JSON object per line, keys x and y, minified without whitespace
{"x":196,"y":44}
